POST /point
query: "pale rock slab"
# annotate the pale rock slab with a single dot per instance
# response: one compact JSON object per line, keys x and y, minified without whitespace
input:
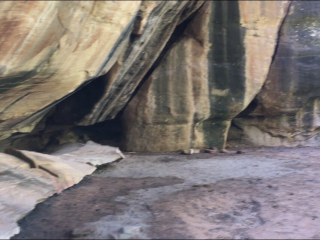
{"x":28,"y":178}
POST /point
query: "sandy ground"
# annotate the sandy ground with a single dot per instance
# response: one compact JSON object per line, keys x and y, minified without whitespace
{"x":269,"y":193}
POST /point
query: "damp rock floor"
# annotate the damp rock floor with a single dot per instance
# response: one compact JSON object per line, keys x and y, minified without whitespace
{"x":263,"y":193}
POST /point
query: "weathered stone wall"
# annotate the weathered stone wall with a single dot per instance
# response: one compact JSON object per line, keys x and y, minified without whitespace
{"x":180,"y":71}
{"x":287,"y":108}
{"x":159,"y":19}
{"x":206,"y":79}
{"x":50,"y":48}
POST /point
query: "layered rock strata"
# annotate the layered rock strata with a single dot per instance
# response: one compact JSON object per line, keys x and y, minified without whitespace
{"x":186,"y":73}
{"x":50,"y":48}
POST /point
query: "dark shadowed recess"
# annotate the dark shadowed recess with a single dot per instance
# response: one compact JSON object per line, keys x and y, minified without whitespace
{"x":80,"y":103}
{"x":249,"y":109}
{"x":75,"y":108}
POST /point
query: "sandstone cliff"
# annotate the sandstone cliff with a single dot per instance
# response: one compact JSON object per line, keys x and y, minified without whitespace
{"x":178,"y":73}
{"x":286,"y":110}
{"x":50,"y":48}
{"x":206,"y":79}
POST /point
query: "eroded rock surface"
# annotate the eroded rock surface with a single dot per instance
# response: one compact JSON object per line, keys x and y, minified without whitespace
{"x":177,"y":72}
{"x":154,"y":26}
{"x":50,"y":48}
{"x":206,"y":78}
{"x":286,"y":110}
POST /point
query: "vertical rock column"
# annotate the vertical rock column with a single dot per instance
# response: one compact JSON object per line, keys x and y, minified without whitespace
{"x":206,"y":78}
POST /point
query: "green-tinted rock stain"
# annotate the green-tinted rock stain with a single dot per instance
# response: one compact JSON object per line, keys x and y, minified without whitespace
{"x":226,"y":70}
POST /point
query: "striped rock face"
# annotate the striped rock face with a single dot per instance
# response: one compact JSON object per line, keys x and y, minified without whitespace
{"x":185,"y":78}
{"x":206,"y":78}
{"x":156,"y":22}
{"x":286,"y":111}
{"x":50,"y":48}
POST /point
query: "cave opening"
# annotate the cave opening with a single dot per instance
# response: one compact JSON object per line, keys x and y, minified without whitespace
{"x":62,"y":125}
{"x":249,"y":109}
{"x":236,"y":136}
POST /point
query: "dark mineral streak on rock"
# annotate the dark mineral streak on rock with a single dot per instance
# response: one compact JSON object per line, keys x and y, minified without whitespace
{"x":297,"y":60}
{"x":144,"y":52}
{"x":287,"y":103}
{"x":226,"y":69}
